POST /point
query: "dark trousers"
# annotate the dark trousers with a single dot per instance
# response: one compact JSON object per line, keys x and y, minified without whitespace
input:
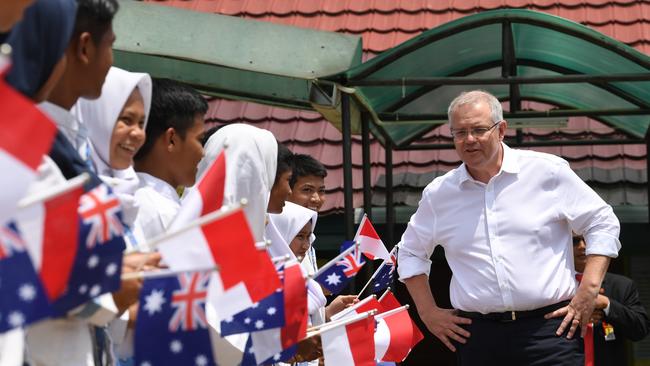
{"x":525,"y":342}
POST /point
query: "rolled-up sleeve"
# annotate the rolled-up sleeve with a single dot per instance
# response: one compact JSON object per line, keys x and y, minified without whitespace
{"x":417,"y":243}
{"x":588,"y":214}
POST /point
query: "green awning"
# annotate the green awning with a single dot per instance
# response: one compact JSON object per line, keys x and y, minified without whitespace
{"x":407,"y":89}
{"x":230,"y":57}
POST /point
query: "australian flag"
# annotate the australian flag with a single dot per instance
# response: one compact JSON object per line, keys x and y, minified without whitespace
{"x":97,"y":265}
{"x":384,"y":276}
{"x":263,"y":315}
{"x":172,"y":326}
{"x":22,"y":297}
{"x":248,"y":358}
{"x":335,"y":275}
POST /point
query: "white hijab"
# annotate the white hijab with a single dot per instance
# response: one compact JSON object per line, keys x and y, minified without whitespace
{"x":281,"y":230}
{"x":100,"y":116}
{"x":251,"y":161}
{"x":283,"y":227}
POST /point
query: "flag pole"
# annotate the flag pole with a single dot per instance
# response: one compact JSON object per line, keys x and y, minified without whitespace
{"x":55,"y":191}
{"x":340,"y":323}
{"x":347,"y":310}
{"x":384,"y":294}
{"x":203,"y":220}
{"x":374,"y":275}
{"x":336,"y":259}
{"x":162,"y":273}
{"x":391,"y":312}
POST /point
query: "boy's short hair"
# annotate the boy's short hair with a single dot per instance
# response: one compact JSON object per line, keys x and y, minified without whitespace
{"x":94,"y":17}
{"x":305,"y":165}
{"x":173,"y":105}
{"x":285,"y":156}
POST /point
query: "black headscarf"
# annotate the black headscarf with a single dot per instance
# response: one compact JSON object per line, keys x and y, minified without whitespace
{"x":38,"y":41}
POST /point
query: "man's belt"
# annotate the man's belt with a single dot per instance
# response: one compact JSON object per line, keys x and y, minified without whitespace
{"x":509,"y":316}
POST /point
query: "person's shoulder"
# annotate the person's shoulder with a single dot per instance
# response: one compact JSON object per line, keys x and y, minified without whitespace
{"x":540,"y":158}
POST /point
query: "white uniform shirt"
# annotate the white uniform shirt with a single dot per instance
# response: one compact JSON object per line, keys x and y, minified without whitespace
{"x":159,"y":204}
{"x":508,"y":242}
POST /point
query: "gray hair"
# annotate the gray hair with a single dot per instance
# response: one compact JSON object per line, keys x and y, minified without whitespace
{"x":476,"y":96}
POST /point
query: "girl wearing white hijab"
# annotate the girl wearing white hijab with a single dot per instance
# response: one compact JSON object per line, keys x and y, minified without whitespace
{"x":282,"y":229}
{"x":251,"y":162}
{"x":116,"y":124}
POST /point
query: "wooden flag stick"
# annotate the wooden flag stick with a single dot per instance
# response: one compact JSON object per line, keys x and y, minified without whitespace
{"x":203,"y":220}
{"x":339,"y":323}
{"x":374,"y":275}
{"x":384,"y":294}
{"x":391,"y":312}
{"x":347,"y":310}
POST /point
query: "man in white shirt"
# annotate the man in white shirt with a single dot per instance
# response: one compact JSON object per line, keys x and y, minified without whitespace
{"x":170,"y":155}
{"x":504,"y":218}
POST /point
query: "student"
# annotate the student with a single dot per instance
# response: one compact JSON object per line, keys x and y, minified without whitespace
{"x":116,"y":123}
{"x":170,"y":154}
{"x":38,"y":44}
{"x":37,"y":61}
{"x":78,"y":338}
{"x":253,"y":158}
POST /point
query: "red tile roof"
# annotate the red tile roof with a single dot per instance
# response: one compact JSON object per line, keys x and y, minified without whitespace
{"x":386,"y":23}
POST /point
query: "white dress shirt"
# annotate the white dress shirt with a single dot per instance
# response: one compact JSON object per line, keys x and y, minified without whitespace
{"x":508,"y":242}
{"x":159,"y":204}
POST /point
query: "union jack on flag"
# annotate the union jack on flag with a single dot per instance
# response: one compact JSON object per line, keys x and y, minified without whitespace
{"x":189,"y":302}
{"x":10,"y":242}
{"x":335,"y":275}
{"x":171,"y":327}
{"x":99,"y":209}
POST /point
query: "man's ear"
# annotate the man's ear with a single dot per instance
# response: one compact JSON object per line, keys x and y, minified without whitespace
{"x":171,"y":139}
{"x":85,"y":50}
{"x":503,"y":126}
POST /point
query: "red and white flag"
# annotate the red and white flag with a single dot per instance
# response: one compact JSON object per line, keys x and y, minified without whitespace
{"x":50,"y":227}
{"x":26,"y":134}
{"x":206,"y":196}
{"x":389,"y":302}
{"x":395,"y":336}
{"x":370,"y":243}
{"x":245,"y":274}
{"x":351,"y":344}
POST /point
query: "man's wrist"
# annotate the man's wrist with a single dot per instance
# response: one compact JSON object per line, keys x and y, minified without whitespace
{"x":607,"y":307}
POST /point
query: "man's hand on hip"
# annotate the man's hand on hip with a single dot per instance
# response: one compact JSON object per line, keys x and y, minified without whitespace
{"x":444,"y":324}
{"x":577,"y":313}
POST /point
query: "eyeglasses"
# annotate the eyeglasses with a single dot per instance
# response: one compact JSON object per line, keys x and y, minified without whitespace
{"x":478,"y":132}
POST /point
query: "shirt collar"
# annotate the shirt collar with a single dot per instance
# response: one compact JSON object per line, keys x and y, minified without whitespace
{"x":509,"y":164}
{"x":159,"y":186}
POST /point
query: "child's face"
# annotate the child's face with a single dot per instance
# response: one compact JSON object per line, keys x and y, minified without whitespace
{"x":300,"y":244}
{"x":128,"y":133}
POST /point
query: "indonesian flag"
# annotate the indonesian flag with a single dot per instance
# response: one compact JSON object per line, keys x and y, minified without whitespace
{"x":50,"y":228}
{"x":26,"y":134}
{"x":351,"y":344}
{"x":206,"y":196}
{"x":245,"y":274}
{"x":370,"y":243}
{"x":395,"y":336}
